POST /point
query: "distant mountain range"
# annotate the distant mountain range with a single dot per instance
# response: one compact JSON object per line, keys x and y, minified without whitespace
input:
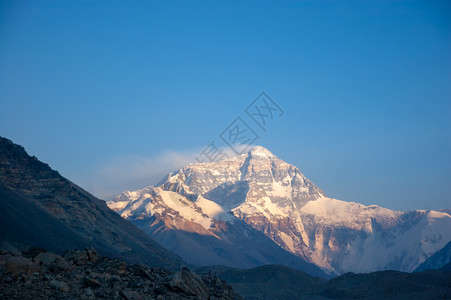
{"x":280,"y":282}
{"x":40,"y":208}
{"x":255,"y":209}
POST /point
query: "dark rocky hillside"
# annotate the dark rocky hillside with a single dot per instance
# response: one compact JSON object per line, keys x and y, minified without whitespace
{"x":39,"y":207}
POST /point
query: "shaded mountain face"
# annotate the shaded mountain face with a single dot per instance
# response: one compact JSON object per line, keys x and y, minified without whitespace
{"x":276,"y":199}
{"x":39,"y":207}
{"x":439,"y":260}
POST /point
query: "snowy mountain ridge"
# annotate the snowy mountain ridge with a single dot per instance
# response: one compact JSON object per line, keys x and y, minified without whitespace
{"x":273,"y":197}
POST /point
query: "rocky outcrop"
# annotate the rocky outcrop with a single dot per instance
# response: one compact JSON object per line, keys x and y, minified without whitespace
{"x":19,"y":265}
{"x":189,"y":283}
{"x":83,"y":274}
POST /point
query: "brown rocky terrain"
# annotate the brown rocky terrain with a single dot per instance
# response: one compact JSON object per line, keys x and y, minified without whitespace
{"x":37,"y":274}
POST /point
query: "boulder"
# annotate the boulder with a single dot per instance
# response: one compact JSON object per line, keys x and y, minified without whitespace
{"x":46,"y":258}
{"x":4,"y":258}
{"x":32,"y":252}
{"x":93,"y":255}
{"x":189,"y":283}
{"x":59,"y":285}
{"x":18,"y":264}
{"x":91,"y":282}
{"x":130,"y":295}
{"x":54,"y":261}
{"x":80,"y":258}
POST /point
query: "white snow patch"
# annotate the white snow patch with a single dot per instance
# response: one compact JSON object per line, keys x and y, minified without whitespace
{"x":278,"y":189}
{"x":117,"y":206}
{"x":272,"y":208}
{"x":354,"y":215}
{"x":288,"y":240}
{"x":185,"y":207}
{"x":213,"y":210}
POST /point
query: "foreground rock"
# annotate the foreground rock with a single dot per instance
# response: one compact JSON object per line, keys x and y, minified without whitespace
{"x":86,"y":275}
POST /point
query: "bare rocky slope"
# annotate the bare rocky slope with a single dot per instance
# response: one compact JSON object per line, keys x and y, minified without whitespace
{"x":39,"y":207}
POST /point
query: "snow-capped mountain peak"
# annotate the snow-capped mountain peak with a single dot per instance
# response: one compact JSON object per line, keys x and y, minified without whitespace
{"x":275,"y":198}
{"x":260,"y":152}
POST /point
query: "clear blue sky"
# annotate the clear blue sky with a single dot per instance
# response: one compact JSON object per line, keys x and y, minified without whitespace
{"x":365,"y":86}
